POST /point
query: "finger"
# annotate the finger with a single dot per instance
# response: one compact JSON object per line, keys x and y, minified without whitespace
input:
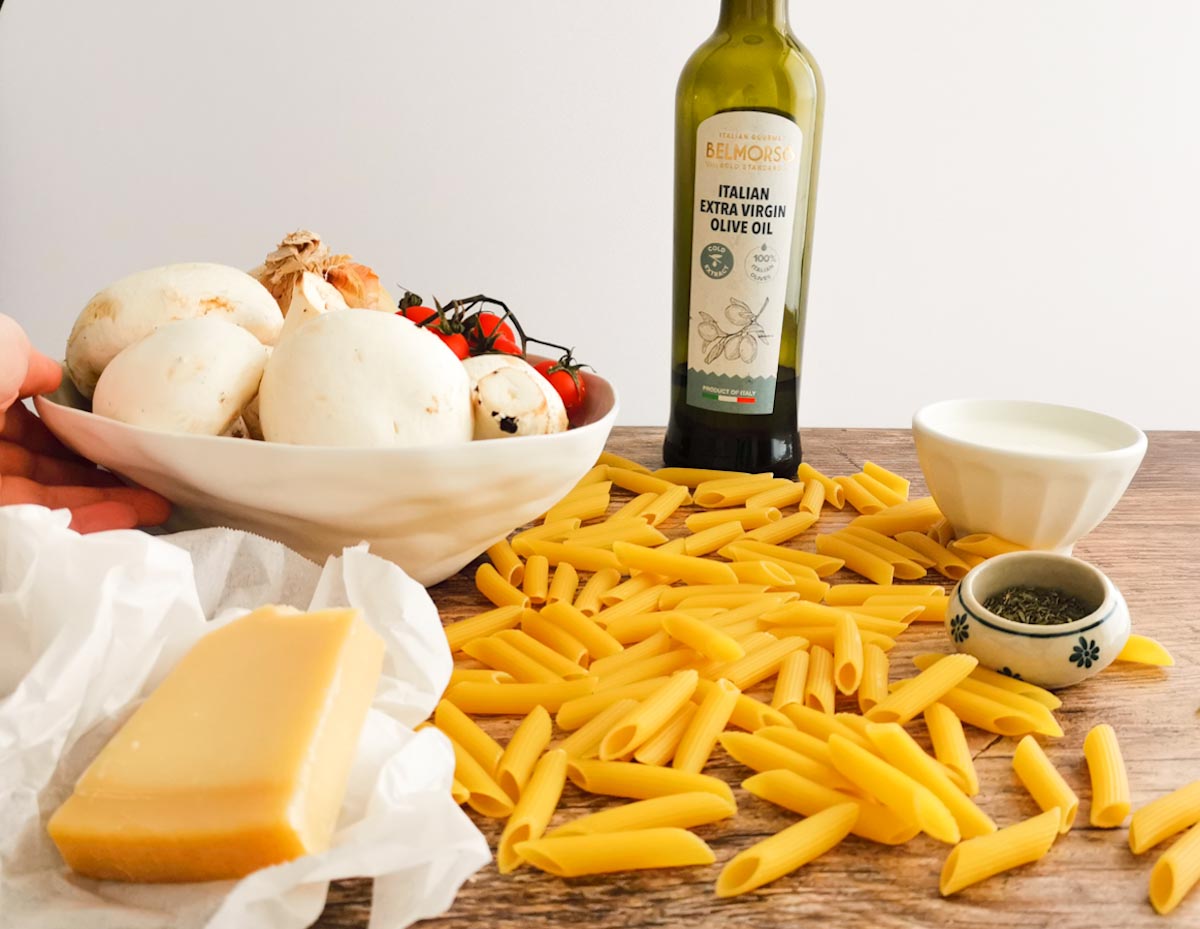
{"x":14,"y":359}
{"x":22,"y":426}
{"x":18,"y":461}
{"x":101,"y":517}
{"x":152,"y":510}
{"x":44,"y":375}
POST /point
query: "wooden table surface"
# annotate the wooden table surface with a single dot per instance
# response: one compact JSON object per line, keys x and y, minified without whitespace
{"x":1149,"y":546}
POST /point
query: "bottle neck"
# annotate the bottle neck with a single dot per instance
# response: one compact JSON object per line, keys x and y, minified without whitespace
{"x":753,"y":12}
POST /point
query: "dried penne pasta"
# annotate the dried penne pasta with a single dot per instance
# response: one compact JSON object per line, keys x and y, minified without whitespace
{"x":594,"y":638}
{"x":649,"y":716}
{"x":983,"y":712}
{"x":503,"y":656}
{"x":458,"y":793}
{"x":709,"y":720}
{"x":823,"y":636}
{"x":907,"y":798}
{"x":637,"y":583}
{"x":804,"y":588}
{"x":1045,"y":785}
{"x":903,"y":613}
{"x":823,"y":725}
{"x":564,"y":584}
{"x":589,"y":502}
{"x":987,"y":855}
{"x":1162,"y":818}
{"x":750,"y":550}
{"x":552,"y":636}
{"x":743,"y":517}
{"x":544,"y":655}
{"x":662,"y":507}
{"x":581,"y":557}
{"x":597,"y":475}
{"x":618,"y":461}
{"x":707,"y":541}
{"x":460,"y":728}
{"x":757,"y":664}
{"x":819,"y":687}
{"x":889,"y":479}
{"x":915,"y":515}
{"x":606,"y":852}
{"x":489,"y":583}
{"x":847,"y":655}
{"x":813,"y":497}
{"x":1110,"y":783}
{"x":806,"y":613}
{"x":848,"y":595}
{"x":547,"y":532}
{"x":879,"y":490}
{"x":1142,"y":649}
{"x":986,"y":545}
{"x":634,"y":629}
{"x":656,"y":643}
{"x":484,"y":699}
{"x":602,"y":535}
{"x":701,"y":637}
{"x":786,"y":851}
{"x":899,"y":750}
{"x":859,"y":497}
{"x":783,"y":529}
{"x":748,"y":714}
{"x":483,"y":624}
{"x":488,"y":675}
{"x":1041,"y":717}
{"x":874,"y":684}
{"x":484,"y":795}
{"x":941,"y":532}
{"x":575,"y":712}
{"x":783,"y":493}
{"x":584,"y":742}
{"x":767,"y":573}
{"x":930,"y":609}
{"x":732,"y":601}
{"x":672,"y":597}
{"x":641,"y":602}
{"x":902,"y":568}
{"x":971,"y":559}
{"x":683,"y":811}
{"x":694,"y":477}
{"x":681,"y":567}
{"x":929,"y":686}
{"x":656,"y":666}
{"x":760,"y":754}
{"x":857,"y":559}
{"x":533,"y":811}
{"x":536,"y":584}
{"x":660,"y":748}
{"x":588,"y":602}
{"x":641,"y":782}
{"x":950,"y":747}
{"x":897,"y":548}
{"x":1176,"y":872}
{"x":638,"y":482}
{"x":522,"y":752}
{"x":731,"y":491}
{"x":807,"y":797}
{"x":945,"y":561}
{"x":834,"y":494}
{"x":792,"y":679}
{"x":1002,"y":681}
{"x":507,"y":563}
{"x":634,"y":508}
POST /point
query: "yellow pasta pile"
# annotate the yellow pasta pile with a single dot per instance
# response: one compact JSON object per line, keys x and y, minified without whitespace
{"x":638,"y":651}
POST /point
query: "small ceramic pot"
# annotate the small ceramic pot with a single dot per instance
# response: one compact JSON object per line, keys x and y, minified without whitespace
{"x":1050,"y":656}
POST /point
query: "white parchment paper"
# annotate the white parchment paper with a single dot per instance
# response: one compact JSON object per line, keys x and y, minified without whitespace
{"x":90,"y":624}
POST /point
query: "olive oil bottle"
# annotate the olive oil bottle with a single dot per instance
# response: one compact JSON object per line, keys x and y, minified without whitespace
{"x":747,"y":139}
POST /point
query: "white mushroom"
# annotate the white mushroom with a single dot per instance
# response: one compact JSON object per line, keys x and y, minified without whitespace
{"x":136,"y":305}
{"x":364,"y":378}
{"x":510,"y":398}
{"x":193,"y":375}
{"x":312,"y":295}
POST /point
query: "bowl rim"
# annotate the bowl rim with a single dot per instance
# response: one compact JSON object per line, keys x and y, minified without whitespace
{"x":921,"y":424}
{"x":976,"y":610}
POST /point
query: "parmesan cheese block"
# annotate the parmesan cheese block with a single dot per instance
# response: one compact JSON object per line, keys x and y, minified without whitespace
{"x":237,"y":761}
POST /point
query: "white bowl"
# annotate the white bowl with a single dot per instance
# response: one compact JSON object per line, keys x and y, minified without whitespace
{"x":1037,"y":474}
{"x":430,"y":510}
{"x":1050,"y":656}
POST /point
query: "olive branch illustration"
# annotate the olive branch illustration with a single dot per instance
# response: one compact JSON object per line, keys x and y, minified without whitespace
{"x":742,"y":342}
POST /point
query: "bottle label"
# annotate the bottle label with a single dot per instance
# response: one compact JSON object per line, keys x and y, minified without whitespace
{"x":747,"y":172}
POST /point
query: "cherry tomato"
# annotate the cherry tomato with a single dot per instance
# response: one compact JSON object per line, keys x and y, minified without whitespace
{"x":490,"y":322}
{"x":456,"y":342}
{"x":567,"y":382}
{"x":507,"y":346}
{"x":417,"y":314}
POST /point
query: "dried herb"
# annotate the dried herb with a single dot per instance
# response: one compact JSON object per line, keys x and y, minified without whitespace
{"x":1037,"y":606}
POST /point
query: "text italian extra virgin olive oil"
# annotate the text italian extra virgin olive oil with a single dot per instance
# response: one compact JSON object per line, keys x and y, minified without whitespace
{"x":747,"y":139}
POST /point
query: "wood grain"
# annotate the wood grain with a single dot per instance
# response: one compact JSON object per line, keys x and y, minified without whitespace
{"x":1149,"y":546}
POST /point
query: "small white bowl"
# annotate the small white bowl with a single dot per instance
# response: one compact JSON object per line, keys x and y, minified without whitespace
{"x":1037,"y":474}
{"x":1050,"y":656}
{"x":430,"y":510}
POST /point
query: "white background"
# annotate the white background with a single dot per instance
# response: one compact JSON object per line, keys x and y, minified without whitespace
{"x":1009,"y":200}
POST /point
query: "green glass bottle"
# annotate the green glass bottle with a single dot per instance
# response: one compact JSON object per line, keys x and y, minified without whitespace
{"x":747,"y":139}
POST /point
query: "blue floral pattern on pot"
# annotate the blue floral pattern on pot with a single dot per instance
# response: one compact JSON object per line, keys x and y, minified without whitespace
{"x":1009,"y":672}
{"x":959,"y":629}
{"x":1085,"y":653}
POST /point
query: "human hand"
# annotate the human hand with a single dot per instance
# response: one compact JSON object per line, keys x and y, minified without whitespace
{"x":36,"y":468}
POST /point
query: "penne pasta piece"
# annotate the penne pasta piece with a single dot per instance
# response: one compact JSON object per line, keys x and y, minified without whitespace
{"x":806,"y":797}
{"x":629,"y":630}
{"x":482,"y":699}
{"x":644,"y":601}
{"x":544,"y":655}
{"x":950,"y":747}
{"x":634,"y":508}
{"x":767,"y":573}
{"x":588,"y":601}
{"x":859,"y":497}
{"x":638,"y":482}
{"x":618,"y":461}
{"x":945,"y":561}
{"x":732,"y":601}
{"x":890,"y":479}
{"x":482,"y":624}
{"x":589,"y":502}
{"x":987,"y":855}
{"x":1145,"y":650}
{"x":637,"y":584}
{"x":606,"y":852}
{"x":902,"y":568}
{"x":986,"y":545}
{"x":550,"y":532}
{"x":899,"y":750}
{"x":792,"y":679}
{"x":536,"y":585}
{"x":1044,"y":783}
{"x":564,"y":584}
{"x":580,"y":557}
{"x":649,"y":716}
{"x":874,"y":684}
{"x":782,"y":529}
{"x":819,"y":688}
{"x":584,"y":742}
{"x":1176,"y":872}
{"x":594,"y":638}
{"x":683,"y":811}
{"x":835,"y":495}
{"x":681,"y":567}
{"x":526,"y":746}
{"x":489,"y":583}
{"x":798,"y":741}
{"x":484,"y":795}
{"x":488,"y":675}
{"x":701,"y":637}
{"x":1002,"y":681}
{"x":641,"y":782}
{"x":813,"y":497}
{"x":898,"y":549}
{"x":786,"y":851}
{"x":647,"y":668}
{"x":847,"y":655}
{"x":823,"y":636}
{"x":915,"y":515}
{"x":929,"y":686}
{"x":554,"y":637}
{"x":1110,"y":783}
{"x":848,"y":595}
{"x":879,"y":490}
{"x":602,"y":535}
{"x":575,"y":712}
{"x":693,"y":477}
{"x":859,"y":724}
{"x":983,"y":712}
{"x":709,"y":721}
{"x":748,"y":714}
{"x":857,"y":559}
{"x":503,"y":656}
{"x":660,"y":748}
{"x":662,"y":507}
{"x":459,"y":727}
{"x":1043,"y":720}
{"x":757,"y":664}
{"x":760,"y":754}
{"x":1162,"y":818}
{"x":742,"y":517}
{"x":929,"y":609}
{"x":731,"y":491}
{"x":507,"y":563}
{"x":971,"y":559}
{"x":804,"y":588}
{"x":533,"y":811}
{"x":907,"y":798}
{"x":707,"y":541}
{"x":749,"y":550}
{"x":458,"y":793}
{"x":597,"y":475}
{"x":672,"y":597}
{"x":823,"y":725}
{"x":902,"y":613}
{"x":941,"y":532}
{"x":807,"y":613}
{"x":783,"y":493}
{"x":656,"y":643}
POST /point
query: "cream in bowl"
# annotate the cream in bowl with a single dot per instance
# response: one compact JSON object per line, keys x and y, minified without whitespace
{"x":1038,"y":474}
{"x":1048,"y":619}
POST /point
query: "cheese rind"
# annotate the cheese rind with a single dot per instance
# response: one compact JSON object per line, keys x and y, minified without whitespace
{"x":237,"y":761}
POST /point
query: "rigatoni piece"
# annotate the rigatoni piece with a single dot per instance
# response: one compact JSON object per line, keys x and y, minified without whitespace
{"x":1110,"y":783}
{"x":927,"y":687}
{"x":874,"y":684}
{"x":522,"y":752}
{"x":682,"y":811}
{"x":987,"y":855}
{"x":709,"y":721}
{"x":606,"y":852}
{"x":1176,"y":872}
{"x":507,"y":563}
{"x":786,"y":851}
{"x":792,"y":679}
{"x":950,"y":746}
{"x":1162,"y":818}
{"x":1044,"y":783}
{"x":533,"y":811}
